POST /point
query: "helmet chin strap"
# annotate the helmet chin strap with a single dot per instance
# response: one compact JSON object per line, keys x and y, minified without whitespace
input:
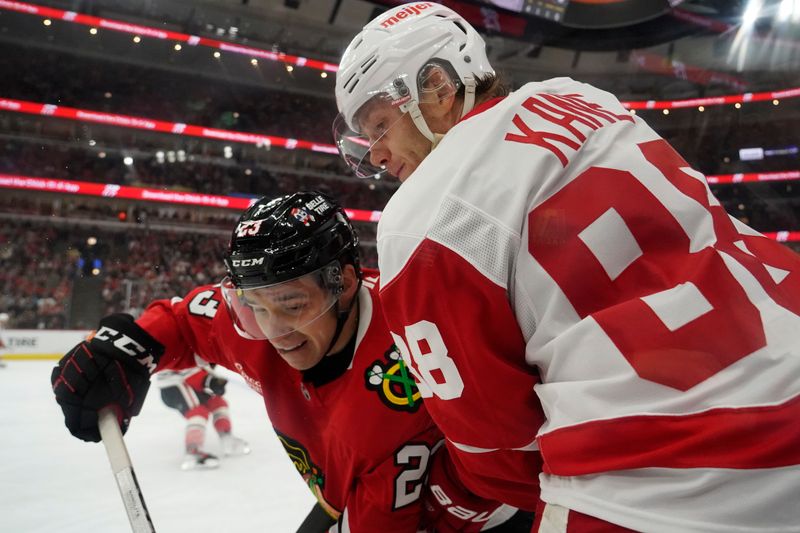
{"x":412,"y":108}
{"x":469,"y":95}
{"x":341,"y":318}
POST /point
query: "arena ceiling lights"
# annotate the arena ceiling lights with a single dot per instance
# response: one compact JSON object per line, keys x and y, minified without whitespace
{"x":138,"y":30}
{"x":589,"y":13}
{"x":192,"y":40}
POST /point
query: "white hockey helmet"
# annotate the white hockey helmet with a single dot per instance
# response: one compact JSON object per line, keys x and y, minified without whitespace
{"x":388,"y":58}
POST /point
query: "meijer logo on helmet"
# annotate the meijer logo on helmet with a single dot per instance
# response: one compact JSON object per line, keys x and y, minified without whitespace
{"x":405,"y":13}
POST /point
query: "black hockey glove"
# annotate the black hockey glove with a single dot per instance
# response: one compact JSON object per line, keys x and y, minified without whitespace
{"x":214,"y":385}
{"x":111,"y":369}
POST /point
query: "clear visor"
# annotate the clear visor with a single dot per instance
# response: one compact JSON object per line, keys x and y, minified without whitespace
{"x":278,"y":310}
{"x":361,"y":149}
{"x":362,"y":142}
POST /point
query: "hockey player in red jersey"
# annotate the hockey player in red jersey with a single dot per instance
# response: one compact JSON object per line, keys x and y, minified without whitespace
{"x":197,"y":395}
{"x":561,"y":283}
{"x":298,"y":319}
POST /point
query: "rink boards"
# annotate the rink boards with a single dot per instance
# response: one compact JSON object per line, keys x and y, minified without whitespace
{"x":38,"y":343}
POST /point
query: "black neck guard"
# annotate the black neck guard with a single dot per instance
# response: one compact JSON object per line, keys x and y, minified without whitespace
{"x":331,"y":366}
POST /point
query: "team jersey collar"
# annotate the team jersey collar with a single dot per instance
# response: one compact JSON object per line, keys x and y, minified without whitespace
{"x":476,"y":110}
{"x":480,"y":108}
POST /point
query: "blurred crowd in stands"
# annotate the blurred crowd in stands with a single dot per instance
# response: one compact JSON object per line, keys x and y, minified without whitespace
{"x":124,"y":215}
{"x":203,"y":174}
{"x":127,"y":89}
{"x":765,"y":206}
{"x":40,"y":261}
{"x":37,"y":264}
{"x":711,"y":141}
{"x":144,"y":266}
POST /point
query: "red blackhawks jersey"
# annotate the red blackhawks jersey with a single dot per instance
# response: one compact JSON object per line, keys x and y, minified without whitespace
{"x":563,"y":285}
{"x":360,"y":441}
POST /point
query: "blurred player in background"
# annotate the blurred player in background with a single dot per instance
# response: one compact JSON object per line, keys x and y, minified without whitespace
{"x":569,"y":294}
{"x":198,"y":395}
{"x":298,"y":319}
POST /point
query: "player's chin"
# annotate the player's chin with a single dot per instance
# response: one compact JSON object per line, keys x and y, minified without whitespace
{"x":404,"y":171}
{"x":302,"y":358}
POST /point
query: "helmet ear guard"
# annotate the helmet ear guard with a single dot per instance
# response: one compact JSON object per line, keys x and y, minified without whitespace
{"x":438,"y":68}
{"x":333,"y":278}
{"x":437,"y":77}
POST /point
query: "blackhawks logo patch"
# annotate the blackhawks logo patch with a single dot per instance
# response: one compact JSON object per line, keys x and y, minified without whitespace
{"x":311,"y":473}
{"x":393,"y":382}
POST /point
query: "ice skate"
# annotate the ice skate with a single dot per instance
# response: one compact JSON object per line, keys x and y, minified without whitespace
{"x":199,"y":460}
{"x":233,"y":446}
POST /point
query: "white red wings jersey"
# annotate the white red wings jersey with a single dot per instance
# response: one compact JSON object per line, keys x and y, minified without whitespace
{"x":553,"y":229}
{"x":360,"y":442}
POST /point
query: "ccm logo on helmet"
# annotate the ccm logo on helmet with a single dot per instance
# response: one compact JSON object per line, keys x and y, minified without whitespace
{"x":405,"y":13}
{"x":247,"y":262}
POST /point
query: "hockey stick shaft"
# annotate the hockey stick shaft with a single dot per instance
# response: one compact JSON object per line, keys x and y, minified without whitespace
{"x":124,"y":475}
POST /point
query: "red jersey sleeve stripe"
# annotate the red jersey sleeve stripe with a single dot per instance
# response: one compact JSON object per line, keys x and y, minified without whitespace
{"x":739,"y":438}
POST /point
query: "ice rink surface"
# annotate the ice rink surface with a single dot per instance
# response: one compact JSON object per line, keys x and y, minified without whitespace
{"x":51,"y":482}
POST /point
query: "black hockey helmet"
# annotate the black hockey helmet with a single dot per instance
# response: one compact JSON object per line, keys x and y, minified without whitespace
{"x":289,"y":251}
{"x":283,"y":238}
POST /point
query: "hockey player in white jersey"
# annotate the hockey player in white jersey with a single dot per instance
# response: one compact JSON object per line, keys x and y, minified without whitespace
{"x":582,"y":316}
